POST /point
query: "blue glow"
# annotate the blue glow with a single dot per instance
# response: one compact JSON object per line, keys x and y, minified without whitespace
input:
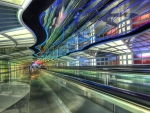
{"x":92,"y":9}
{"x":40,"y":19}
{"x":82,"y":7}
{"x":56,"y":43}
{"x":55,"y":4}
{"x":62,"y":52}
{"x":41,"y":16}
{"x":76,"y":21}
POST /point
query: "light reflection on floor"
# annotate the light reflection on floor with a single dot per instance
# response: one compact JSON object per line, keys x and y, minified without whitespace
{"x":14,"y":95}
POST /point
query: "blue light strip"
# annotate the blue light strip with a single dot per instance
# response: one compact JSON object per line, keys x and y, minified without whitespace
{"x":82,"y":7}
{"x":40,"y":19}
{"x":123,"y":11}
{"x":80,"y":15}
{"x":114,"y":18}
{"x":56,"y":43}
{"x":92,"y":9}
{"x":75,"y":21}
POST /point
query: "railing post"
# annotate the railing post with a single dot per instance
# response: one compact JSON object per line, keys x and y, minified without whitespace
{"x":9,"y":71}
{"x":114,"y":108}
{"x":106,"y":79}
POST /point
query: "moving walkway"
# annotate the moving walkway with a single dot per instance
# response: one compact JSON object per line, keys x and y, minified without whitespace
{"x":111,"y":99}
{"x":110,"y":76}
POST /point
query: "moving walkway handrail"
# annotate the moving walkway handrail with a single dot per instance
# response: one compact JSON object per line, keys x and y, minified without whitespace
{"x":134,"y":97}
{"x":129,"y":69}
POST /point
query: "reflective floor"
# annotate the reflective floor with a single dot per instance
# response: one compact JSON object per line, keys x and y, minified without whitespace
{"x":41,"y":92}
{"x":14,"y":95}
{"x":47,"y":96}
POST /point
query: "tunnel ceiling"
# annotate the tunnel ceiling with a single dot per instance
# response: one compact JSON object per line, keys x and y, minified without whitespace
{"x":32,"y":13}
{"x":31,"y":18}
{"x":15,"y":37}
{"x":77,"y":26}
{"x":47,"y":26}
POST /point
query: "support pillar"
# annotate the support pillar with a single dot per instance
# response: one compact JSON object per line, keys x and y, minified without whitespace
{"x":9,"y":71}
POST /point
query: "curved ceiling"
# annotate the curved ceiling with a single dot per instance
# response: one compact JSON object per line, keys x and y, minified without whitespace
{"x":8,"y":19}
{"x":15,"y":37}
{"x":31,"y":19}
{"x":74,"y":26}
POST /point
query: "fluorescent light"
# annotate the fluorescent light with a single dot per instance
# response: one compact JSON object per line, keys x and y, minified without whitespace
{"x":93,"y":48}
{"x":1,"y":36}
{"x":119,"y":42}
{"x":17,"y":32}
{"x":25,"y":41}
{"x":111,"y":44}
{"x":124,"y":47}
{"x":28,"y":39}
{"x":120,"y":51}
{"x":127,"y":50}
{"x":4,"y":39}
{"x":22,"y":36}
{"x":6,"y":46}
{"x":102,"y":46}
{"x":9,"y":42}
{"x":118,"y":47}
{"x":104,"y":50}
{"x":3,"y":45}
{"x":111,"y":49}
{"x":15,"y":54}
{"x":17,"y":2}
{"x":24,"y":45}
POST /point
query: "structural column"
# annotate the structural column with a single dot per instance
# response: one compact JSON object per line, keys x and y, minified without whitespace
{"x":9,"y":71}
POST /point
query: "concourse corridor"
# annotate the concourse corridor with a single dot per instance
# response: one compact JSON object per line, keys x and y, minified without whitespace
{"x":49,"y":94}
{"x":44,"y":91}
{"x":74,"y":56}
